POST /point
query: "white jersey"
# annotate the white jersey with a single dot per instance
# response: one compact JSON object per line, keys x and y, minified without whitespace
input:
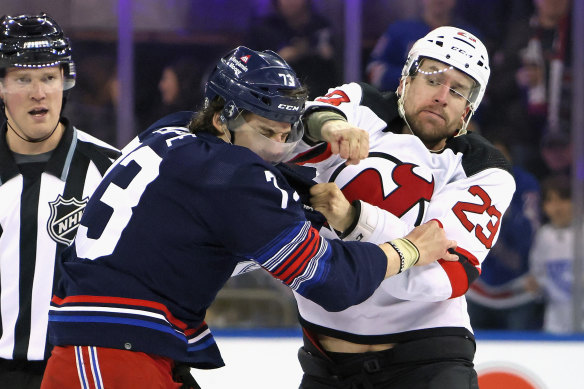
{"x":551,"y":259}
{"x":467,"y":187}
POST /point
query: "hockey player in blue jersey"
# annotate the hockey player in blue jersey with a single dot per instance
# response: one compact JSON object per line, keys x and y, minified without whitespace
{"x":174,"y":216}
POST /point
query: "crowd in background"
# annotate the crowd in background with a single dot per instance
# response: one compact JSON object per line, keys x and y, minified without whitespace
{"x":526,"y":113}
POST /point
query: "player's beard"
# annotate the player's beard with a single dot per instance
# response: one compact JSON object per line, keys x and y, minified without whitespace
{"x":431,"y":131}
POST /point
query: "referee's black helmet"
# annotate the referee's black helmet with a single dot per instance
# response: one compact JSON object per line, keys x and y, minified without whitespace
{"x":35,"y":41}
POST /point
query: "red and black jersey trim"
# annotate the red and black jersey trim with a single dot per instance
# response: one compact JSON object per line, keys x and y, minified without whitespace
{"x":314,"y":155}
{"x":461,"y":273}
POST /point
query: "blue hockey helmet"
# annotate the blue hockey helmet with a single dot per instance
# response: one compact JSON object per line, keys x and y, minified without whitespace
{"x":258,"y":82}
{"x":35,"y":41}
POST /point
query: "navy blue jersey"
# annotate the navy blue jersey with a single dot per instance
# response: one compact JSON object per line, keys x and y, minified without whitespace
{"x":164,"y":231}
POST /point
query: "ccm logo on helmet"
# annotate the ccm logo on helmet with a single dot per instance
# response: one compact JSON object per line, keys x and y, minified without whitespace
{"x":288,"y":107}
{"x":461,"y":51}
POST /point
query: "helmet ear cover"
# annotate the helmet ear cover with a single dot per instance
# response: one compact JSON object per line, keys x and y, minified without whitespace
{"x":230,"y":111}
{"x":35,"y":41}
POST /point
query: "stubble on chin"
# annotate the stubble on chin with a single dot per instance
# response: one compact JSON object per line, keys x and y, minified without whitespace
{"x":430,"y":131}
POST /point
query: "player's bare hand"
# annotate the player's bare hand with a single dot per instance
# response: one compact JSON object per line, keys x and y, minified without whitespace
{"x":432,"y":243}
{"x":328,"y":199}
{"x":350,"y":142}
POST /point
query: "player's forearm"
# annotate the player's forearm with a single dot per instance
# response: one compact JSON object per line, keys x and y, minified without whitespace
{"x":319,"y":119}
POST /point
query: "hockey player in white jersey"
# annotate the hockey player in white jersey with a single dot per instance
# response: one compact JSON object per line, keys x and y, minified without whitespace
{"x":414,"y":332}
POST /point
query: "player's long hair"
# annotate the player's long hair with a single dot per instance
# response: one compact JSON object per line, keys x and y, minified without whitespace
{"x":203,"y":120}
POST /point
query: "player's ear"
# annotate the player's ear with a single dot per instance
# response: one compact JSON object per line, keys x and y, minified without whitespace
{"x":465,"y":114}
{"x":402,"y":84}
{"x":221,"y":127}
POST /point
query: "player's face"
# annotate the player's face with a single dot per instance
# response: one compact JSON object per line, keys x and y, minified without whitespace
{"x":33,"y":100}
{"x":265,"y":137}
{"x":273,"y":141}
{"x":435,"y":102}
{"x":276,"y":131}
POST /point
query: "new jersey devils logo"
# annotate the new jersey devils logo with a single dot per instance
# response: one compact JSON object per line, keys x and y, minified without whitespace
{"x":64,"y":219}
{"x":388,"y":183}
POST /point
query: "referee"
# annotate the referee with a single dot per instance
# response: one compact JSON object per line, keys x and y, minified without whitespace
{"x":48,"y":170}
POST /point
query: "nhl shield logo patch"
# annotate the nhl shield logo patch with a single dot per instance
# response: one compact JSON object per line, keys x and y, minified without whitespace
{"x":64,"y":219}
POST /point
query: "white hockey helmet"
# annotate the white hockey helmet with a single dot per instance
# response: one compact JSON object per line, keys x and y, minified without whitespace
{"x":458,"y":48}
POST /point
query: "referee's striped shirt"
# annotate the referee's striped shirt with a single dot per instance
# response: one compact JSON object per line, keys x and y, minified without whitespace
{"x":41,"y":203}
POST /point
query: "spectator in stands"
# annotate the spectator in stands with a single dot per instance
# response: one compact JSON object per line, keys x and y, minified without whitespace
{"x":391,"y":50}
{"x":493,"y":17}
{"x":93,"y":104}
{"x":556,"y":152}
{"x":552,"y":254}
{"x":530,"y":87}
{"x":303,"y":37}
{"x":180,"y":88}
{"x":499,"y":298}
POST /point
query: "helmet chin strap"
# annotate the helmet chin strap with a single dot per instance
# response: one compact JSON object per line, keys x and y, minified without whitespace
{"x":230,"y":135}
{"x":27,"y":139}
{"x":31,"y":140}
{"x":465,"y":122}
{"x":400,"y":105}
